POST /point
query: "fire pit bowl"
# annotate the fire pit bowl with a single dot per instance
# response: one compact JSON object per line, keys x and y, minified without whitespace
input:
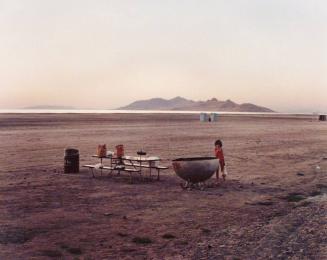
{"x":195,"y":169}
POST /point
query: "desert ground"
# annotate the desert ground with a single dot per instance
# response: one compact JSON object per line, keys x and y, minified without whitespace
{"x":272,"y":206}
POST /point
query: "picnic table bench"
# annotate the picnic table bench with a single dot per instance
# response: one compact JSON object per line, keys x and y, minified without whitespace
{"x":110,"y":168}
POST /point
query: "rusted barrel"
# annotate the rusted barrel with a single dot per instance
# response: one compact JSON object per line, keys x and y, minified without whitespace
{"x":71,"y":160}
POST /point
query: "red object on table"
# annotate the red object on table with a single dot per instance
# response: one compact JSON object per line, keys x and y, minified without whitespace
{"x":102,"y":150}
{"x":120,"y":150}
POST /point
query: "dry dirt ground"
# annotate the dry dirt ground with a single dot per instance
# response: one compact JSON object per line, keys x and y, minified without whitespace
{"x":272,"y":206}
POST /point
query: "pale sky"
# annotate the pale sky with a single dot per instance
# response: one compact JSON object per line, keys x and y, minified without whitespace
{"x":105,"y":54}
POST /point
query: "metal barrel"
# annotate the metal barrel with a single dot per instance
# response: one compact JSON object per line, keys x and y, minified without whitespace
{"x":71,"y":160}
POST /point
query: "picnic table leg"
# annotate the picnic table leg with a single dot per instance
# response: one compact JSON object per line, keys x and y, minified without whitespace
{"x":110,"y":173}
{"x":92,"y":172}
{"x":141,"y":176}
{"x":111,"y":167}
{"x":101,"y":164}
{"x":158,"y":177}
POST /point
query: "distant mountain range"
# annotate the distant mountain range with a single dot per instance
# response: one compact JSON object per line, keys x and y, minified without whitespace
{"x":180,"y":103}
{"x":51,"y":107}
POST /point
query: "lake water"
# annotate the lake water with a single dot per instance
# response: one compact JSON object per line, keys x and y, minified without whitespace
{"x":92,"y":111}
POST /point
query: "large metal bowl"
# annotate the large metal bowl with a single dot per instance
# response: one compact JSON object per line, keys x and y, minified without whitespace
{"x":196,"y":169}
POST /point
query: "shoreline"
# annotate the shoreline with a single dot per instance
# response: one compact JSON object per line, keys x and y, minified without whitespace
{"x":168,"y":113}
{"x":117,"y":111}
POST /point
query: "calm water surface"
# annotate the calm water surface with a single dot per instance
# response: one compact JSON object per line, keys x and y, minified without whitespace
{"x":92,"y":111}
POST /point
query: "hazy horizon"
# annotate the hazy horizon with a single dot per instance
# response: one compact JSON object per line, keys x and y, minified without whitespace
{"x":49,"y":106}
{"x":108,"y":54}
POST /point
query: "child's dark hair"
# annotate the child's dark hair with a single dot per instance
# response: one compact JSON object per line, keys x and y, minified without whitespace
{"x":219,"y":142}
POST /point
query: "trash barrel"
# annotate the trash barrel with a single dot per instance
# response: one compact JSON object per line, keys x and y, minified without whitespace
{"x":322,"y":117}
{"x":71,"y":160}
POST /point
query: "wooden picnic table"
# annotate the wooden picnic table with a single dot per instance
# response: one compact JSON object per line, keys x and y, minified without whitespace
{"x":129,"y":164}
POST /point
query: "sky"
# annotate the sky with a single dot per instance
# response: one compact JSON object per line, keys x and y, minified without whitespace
{"x":105,"y":54}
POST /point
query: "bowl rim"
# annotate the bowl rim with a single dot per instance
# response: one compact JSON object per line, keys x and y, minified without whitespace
{"x":192,"y":159}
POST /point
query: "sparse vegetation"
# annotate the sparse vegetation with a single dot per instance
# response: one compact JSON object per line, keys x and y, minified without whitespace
{"x":315,"y":193}
{"x":122,"y":234}
{"x":63,"y":246}
{"x":305,"y":204}
{"x":51,"y":253}
{"x":168,"y":236}
{"x":265,"y":203}
{"x":206,"y":231}
{"x":142,"y":240}
{"x":295,"y":197}
{"x":18,"y":235}
{"x":74,"y":250}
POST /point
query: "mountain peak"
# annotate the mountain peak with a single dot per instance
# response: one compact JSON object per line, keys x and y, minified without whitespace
{"x":178,"y":98}
{"x":180,"y":103}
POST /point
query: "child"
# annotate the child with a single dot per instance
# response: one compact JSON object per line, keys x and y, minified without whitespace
{"x":220,"y":155}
